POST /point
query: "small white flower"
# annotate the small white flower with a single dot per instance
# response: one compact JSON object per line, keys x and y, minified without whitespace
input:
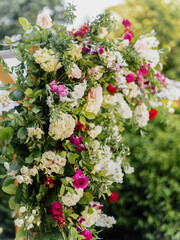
{"x":30,"y":226}
{"x":22,"y":209}
{"x":6,"y":165}
{"x":19,"y":222}
{"x":20,"y":179}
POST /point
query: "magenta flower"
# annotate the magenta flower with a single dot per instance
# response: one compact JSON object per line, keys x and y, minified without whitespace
{"x":126,"y":22}
{"x":80,"y":181}
{"x":130,"y":78}
{"x":88,"y":235}
{"x":52,"y":83}
{"x":55,"y":89}
{"x":80,"y":148}
{"x":101,"y":50}
{"x":128,"y":36}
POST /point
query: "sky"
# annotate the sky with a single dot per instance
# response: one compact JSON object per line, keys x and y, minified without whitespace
{"x":88,"y":9}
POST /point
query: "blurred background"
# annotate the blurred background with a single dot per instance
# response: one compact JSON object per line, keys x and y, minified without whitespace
{"x":149,"y":200}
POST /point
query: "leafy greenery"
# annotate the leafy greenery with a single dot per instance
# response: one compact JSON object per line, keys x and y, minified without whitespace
{"x":11,"y":10}
{"x":149,"y":204}
{"x":164,"y":18}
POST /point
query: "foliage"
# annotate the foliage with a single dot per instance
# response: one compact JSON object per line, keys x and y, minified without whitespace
{"x":76,"y":93}
{"x":161,"y":16}
{"x":149,"y":204}
{"x":6,"y":220}
{"x":11,"y":10}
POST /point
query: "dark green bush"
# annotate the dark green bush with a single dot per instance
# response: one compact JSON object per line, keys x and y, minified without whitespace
{"x":149,"y":200}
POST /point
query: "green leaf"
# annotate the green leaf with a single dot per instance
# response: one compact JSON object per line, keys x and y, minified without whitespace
{"x":74,"y":215}
{"x":10,"y":189}
{"x":29,"y":92}
{"x":17,"y":95}
{"x":6,"y":133}
{"x":87,"y":197}
{"x":62,"y":190}
{"x":38,"y":93}
{"x":21,"y":234}
{"x":35,"y":109}
{"x":24,"y":23}
{"x":82,"y":119}
{"x":72,"y":157}
{"x":12,"y":202}
{"x":22,"y":132}
{"x":89,"y":115}
{"x":29,"y":159}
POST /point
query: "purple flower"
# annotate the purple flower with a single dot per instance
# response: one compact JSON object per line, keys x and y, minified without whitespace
{"x":80,"y":181}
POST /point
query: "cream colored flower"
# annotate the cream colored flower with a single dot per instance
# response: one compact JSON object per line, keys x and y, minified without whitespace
{"x":75,"y":52}
{"x":62,"y":127}
{"x":75,"y":72}
{"x":44,"y":20}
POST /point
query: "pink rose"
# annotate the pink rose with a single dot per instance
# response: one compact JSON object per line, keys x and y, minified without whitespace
{"x":76,"y":72}
{"x":56,"y":209}
{"x":140,"y":46}
{"x":95,"y":93}
{"x":44,"y":20}
{"x":130,"y":78}
{"x":80,"y":181}
{"x":88,"y":235}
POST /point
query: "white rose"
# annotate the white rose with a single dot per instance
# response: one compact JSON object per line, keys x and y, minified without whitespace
{"x":140,"y":46}
{"x":44,"y":20}
{"x":61,"y":161}
{"x":24,"y":170}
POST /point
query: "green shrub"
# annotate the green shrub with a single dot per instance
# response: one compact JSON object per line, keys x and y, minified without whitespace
{"x":149,"y":199}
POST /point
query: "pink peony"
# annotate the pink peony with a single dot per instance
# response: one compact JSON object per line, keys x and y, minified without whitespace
{"x":76,"y":72}
{"x":126,"y":22}
{"x":95,"y":93}
{"x":128,"y":36}
{"x":44,"y":20}
{"x":130,"y":78}
{"x":52,"y":83}
{"x":80,"y":181}
{"x":88,"y":235}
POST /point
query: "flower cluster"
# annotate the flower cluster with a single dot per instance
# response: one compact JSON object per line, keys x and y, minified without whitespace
{"x":84,"y":90}
{"x":47,"y":60}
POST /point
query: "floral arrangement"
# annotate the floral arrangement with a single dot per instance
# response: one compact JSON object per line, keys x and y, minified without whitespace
{"x":77,"y":93}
